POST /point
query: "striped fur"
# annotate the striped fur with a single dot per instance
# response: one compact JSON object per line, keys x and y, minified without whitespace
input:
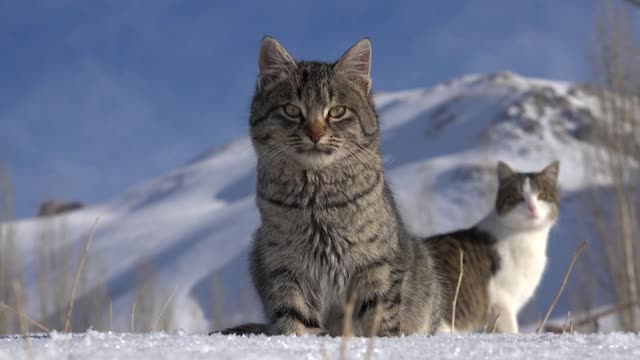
{"x":481,"y":262}
{"x":330,"y":230}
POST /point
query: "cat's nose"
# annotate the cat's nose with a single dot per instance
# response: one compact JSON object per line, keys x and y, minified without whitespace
{"x":315,"y":130}
{"x":532,"y":210}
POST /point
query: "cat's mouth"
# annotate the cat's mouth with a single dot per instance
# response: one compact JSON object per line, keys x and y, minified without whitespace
{"x":316,"y":149}
{"x":316,"y":156}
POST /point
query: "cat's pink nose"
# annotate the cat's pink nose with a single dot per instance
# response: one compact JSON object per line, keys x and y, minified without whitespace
{"x":315,"y":130}
{"x":532,"y":210}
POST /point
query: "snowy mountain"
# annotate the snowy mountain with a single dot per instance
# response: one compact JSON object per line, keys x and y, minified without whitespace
{"x":193,"y":226}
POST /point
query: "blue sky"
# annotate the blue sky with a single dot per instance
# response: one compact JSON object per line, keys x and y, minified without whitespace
{"x":98,"y":95}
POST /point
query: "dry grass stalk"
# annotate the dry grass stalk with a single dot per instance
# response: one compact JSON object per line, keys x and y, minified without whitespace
{"x":74,"y":288}
{"x":588,"y":320}
{"x":377,"y":319}
{"x":323,"y":351}
{"x":613,"y":310}
{"x":164,"y":308}
{"x":567,"y":323}
{"x":455,"y":297}
{"x":564,"y":283}
{"x":26,"y":317}
{"x":570,"y":325}
{"x":217,"y":303}
{"x":24,"y":326}
{"x":9,"y":251}
{"x":133,"y":317}
{"x":617,"y":75}
{"x":494,"y":327}
{"x":347,"y":326}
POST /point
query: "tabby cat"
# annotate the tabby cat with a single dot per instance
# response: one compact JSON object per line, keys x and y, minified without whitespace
{"x":504,"y":254}
{"x":330,"y":230}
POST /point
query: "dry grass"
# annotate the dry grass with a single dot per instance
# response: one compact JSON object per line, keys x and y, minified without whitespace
{"x":9,"y":271}
{"x":150,"y":299}
{"x":217,"y":302}
{"x":561,"y":289}
{"x":347,"y":326}
{"x":374,"y":331}
{"x":10,"y":266}
{"x":589,"y":319}
{"x":455,"y":297}
{"x":164,"y":309}
{"x":133,"y":318}
{"x":76,"y":278}
{"x":26,"y":317}
{"x":58,"y":290}
{"x":494,"y":325}
{"x":24,"y":326}
{"x":323,"y":351}
{"x":110,"y":315}
{"x":616,"y":74}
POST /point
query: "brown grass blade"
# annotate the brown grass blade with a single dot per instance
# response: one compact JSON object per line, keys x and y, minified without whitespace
{"x":133,"y":317}
{"x":24,"y":327}
{"x":582,"y":247}
{"x":374,"y":330}
{"x":455,"y":297}
{"x":347,"y":326}
{"x":76,"y":279}
{"x":26,"y":317}
{"x":164,"y":308}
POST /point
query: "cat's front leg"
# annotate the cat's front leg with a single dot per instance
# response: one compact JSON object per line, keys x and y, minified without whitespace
{"x":378,"y":300}
{"x":505,"y":319}
{"x":291,"y":309}
{"x":287,"y":325}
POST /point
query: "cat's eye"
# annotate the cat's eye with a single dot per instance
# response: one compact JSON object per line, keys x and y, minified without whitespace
{"x":292,"y":111}
{"x":337,"y":111}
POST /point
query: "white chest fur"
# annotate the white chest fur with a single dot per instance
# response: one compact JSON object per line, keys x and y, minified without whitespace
{"x":522,"y":261}
{"x":523,"y":258}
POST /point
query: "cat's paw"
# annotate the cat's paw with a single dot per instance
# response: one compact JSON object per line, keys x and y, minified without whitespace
{"x":245,"y":329}
{"x":316,"y":332}
{"x":296,"y":328}
{"x":394,"y":332}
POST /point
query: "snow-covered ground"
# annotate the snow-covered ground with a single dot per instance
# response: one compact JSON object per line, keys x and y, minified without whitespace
{"x":96,"y":346}
{"x":195,"y":224}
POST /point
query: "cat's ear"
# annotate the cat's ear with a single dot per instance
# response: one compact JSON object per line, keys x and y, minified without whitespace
{"x":552,"y":170}
{"x":273,"y":62}
{"x":356,"y":64}
{"x":504,"y":171}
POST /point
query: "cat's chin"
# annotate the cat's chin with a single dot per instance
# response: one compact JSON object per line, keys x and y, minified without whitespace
{"x":314,"y":160}
{"x":527,"y":222}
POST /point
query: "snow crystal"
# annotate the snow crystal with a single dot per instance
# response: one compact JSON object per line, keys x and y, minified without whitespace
{"x":95,"y":345}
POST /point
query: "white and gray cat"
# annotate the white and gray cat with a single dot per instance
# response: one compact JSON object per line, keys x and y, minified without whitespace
{"x":504,"y":254}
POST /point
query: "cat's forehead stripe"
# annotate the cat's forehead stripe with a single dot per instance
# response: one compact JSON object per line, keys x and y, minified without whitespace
{"x":526,"y":186}
{"x":529,"y":186}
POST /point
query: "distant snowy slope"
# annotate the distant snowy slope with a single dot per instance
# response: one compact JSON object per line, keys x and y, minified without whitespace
{"x":440,"y":147}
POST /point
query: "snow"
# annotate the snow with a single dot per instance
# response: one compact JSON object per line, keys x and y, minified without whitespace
{"x":440,"y":147}
{"x":94,"y":345}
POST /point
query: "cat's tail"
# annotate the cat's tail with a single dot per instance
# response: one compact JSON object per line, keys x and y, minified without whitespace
{"x":244,"y":329}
